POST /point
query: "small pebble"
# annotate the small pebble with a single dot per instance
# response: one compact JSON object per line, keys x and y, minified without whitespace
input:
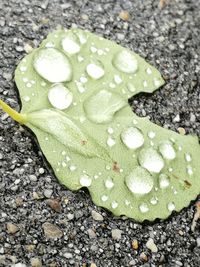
{"x":151,"y":245}
{"x":116,"y":234}
{"x":51,"y":231}
{"x":91,"y":233}
{"x":48,"y":193}
{"x":36,"y":262}
{"x":135,"y":244}
{"x":97,"y":216}
{"x":12,"y":228}
{"x":54,"y":204}
{"x":124,"y":15}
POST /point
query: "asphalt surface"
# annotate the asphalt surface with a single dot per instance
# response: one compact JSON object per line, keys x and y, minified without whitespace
{"x":66,"y":231}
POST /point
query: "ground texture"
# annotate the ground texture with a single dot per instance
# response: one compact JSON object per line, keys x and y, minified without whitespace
{"x":43,"y":223}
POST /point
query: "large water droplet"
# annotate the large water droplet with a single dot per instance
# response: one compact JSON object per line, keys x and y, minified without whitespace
{"x":167,"y":150}
{"x":132,"y":137}
{"x":95,"y":70}
{"x":109,"y":183}
{"x":151,"y":160}
{"x":52,"y":65}
{"x":85,"y":180}
{"x":171,"y":206}
{"x":143,"y":207}
{"x":70,"y":44}
{"x":139,"y":181}
{"x":60,"y":97}
{"x":101,"y":107}
{"x":163,"y":181}
{"x":125,"y":61}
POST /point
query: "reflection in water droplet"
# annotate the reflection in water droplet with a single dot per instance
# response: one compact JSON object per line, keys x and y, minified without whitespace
{"x":163,"y":181}
{"x":52,"y":65}
{"x":143,"y":208}
{"x":154,"y":200}
{"x":114,"y":204}
{"x":95,"y":70}
{"x":151,"y":160}
{"x":131,"y":87}
{"x":125,"y":61}
{"x":60,"y":97}
{"x":139,"y":181}
{"x":70,"y":44}
{"x":151,"y":134}
{"x":132,"y":137}
{"x":109,"y":183}
{"x":188,"y":157}
{"x":171,"y":206}
{"x":167,"y":150}
{"x":104,"y":198}
{"x":85,"y":180}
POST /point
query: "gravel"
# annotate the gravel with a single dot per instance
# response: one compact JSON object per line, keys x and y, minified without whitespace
{"x":65,"y":233}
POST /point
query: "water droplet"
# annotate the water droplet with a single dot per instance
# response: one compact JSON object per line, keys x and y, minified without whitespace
{"x":101,"y":106}
{"x":157,"y":82}
{"x":43,"y":84}
{"x":145,"y":84}
{"x":26,"y":98}
{"x":189,"y":170}
{"x":80,"y":58}
{"x":109,"y":183}
{"x":127,"y":202}
{"x":163,"y":181}
{"x":70,"y":44}
{"x":80,"y":87}
{"x":188,"y":157}
{"x":63,"y":153}
{"x":67,"y":158}
{"x":93,"y":49}
{"x":110,"y":142}
{"x":72,"y":168}
{"x":85,"y":180}
{"x":110,"y":130}
{"x":151,"y":160}
{"x":83,"y":79}
{"x":151,"y":134}
{"x":108,"y":167}
{"x":52,"y":65}
{"x":154,"y":200}
{"x":82,"y":37}
{"x":167,"y":150}
{"x":104,"y":198}
{"x":143,"y":208}
{"x":132,"y":137}
{"x":100,"y":52}
{"x":112,"y":85}
{"x":148,"y":71}
{"x":117,"y":79}
{"x":29,"y":85}
{"x":131,"y":87}
{"x":139,"y":181}
{"x":125,"y":61}
{"x":64,"y":164}
{"x":60,"y":97}
{"x":49,"y":44}
{"x":114,"y":204}
{"x":171,"y":206}
{"x":95,"y":70}
{"x":25,"y":79}
{"x":135,"y":122}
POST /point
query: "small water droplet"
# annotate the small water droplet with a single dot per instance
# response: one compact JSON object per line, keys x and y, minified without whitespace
{"x":189,"y":170}
{"x":171,"y":206}
{"x":64,"y":164}
{"x":145,"y":84}
{"x":104,"y":198}
{"x":112,"y":85}
{"x":80,"y":58}
{"x":157,"y":82}
{"x":188,"y":157}
{"x":29,"y":85}
{"x":109,"y":183}
{"x":163,"y":181}
{"x":139,"y":181}
{"x":127,"y":202}
{"x":96,"y":176}
{"x":72,"y":168}
{"x":167,"y":150}
{"x":117,"y":79}
{"x":85,"y":180}
{"x":80,"y":87}
{"x":23,"y":68}
{"x":132,"y":137}
{"x":95,"y":70}
{"x":83,"y":79}
{"x":43,"y":84}
{"x":151,"y":160}
{"x":26,"y":98}
{"x":63,"y":153}
{"x":52,"y":65}
{"x":143,"y":208}
{"x":131,"y":87}
{"x":125,"y":61}
{"x":110,"y":130}
{"x":110,"y":142}
{"x":114,"y":204}
{"x":49,"y":44}
{"x":60,"y":97}
{"x":67,"y":158}
{"x":151,"y":134}
{"x":70,"y":44}
{"x":154,"y":200}
{"x":100,"y":52}
{"x":148,"y":71}
{"x":82,"y":37}
{"x":25,"y":79}
{"x":135,"y":122}
{"x":93,"y":49}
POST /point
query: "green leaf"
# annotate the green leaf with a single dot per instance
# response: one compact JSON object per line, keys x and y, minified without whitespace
{"x":74,"y":91}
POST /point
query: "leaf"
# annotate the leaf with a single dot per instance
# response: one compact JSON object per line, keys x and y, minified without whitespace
{"x":74,"y":91}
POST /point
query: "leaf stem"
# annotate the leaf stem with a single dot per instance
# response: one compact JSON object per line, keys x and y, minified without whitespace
{"x":21,"y":118}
